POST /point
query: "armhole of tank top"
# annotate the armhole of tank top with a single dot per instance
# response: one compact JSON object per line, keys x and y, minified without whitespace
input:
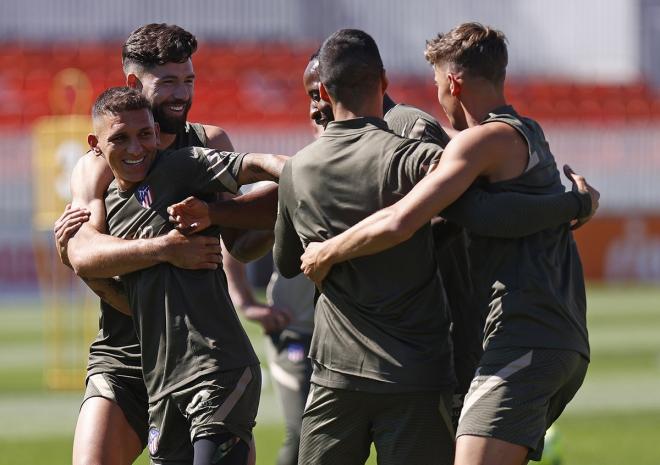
{"x":530,"y":162}
{"x":201,"y":133}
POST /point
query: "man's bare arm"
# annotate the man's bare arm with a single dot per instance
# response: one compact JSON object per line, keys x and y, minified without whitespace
{"x":110,"y":291}
{"x":248,"y":246}
{"x":74,"y":217}
{"x":238,"y":217}
{"x":261,"y":167}
{"x":217,"y":138}
{"x":94,"y":254}
{"x":65,"y":227}
{"x":255,"y":210}
{"x":469,"y":155}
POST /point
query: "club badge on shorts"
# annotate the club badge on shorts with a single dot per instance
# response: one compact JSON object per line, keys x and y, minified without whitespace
{"x":154,"y":438}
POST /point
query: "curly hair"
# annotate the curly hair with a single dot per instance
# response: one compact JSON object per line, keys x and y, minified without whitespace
{"x":156,"y":44}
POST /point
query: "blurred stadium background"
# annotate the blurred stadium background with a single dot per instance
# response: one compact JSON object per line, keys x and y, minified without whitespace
{"x":589,"y":71}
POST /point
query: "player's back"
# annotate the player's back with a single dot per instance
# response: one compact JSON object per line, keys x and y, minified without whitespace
{"x":379,"y":316}
{"x":451,"y":248}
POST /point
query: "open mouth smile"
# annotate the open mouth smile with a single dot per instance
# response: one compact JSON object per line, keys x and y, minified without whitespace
{"x":134,"y":162}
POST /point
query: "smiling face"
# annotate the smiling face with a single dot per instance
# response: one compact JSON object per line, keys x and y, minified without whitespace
{"x":128,"y":140}
{"x":320,"y":111}
{"x":169,"y":89}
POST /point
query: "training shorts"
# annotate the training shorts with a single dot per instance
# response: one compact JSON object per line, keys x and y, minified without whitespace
{"x":214,"y":404}
{"x":517,"y":393}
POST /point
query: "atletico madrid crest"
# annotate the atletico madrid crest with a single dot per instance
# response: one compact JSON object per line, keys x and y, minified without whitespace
{"x":154,"y":436}
{"x":144,"y":196}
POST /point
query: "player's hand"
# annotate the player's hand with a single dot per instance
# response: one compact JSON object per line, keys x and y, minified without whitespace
{"x":192,"y":252}
{"x":313,"y":265}
{"x":65,"y":228}
{"x":272,"y":319}
{"x":190,"y":216}
{"x":581,"y":185}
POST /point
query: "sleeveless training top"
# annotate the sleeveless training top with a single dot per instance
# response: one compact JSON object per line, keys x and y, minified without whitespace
{"x":532,"y":287}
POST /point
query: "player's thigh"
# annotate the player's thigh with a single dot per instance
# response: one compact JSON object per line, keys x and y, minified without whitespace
{"x":335,"y":428}
{"x":103,"y":435}
{"x":478,"y":450}
{"x":509,"y":398}
{"x":414,"y":429}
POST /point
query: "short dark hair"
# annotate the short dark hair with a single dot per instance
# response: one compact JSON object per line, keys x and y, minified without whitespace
{"x":477,"y":49}
{"x":156,"y":44}
{"x":118,"y":99}
{"x":349,"y":65}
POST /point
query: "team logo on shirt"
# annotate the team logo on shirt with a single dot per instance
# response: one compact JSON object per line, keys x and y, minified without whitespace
{"x":154,"y":439}
{"x":144,"y":196}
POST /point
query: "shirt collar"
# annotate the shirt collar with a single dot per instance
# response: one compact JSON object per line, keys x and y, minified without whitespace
{"x":501,"y":110}
{"x":364,"y":123}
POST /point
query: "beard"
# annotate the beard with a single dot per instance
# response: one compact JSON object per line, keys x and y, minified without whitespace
{"x":171,"y":124}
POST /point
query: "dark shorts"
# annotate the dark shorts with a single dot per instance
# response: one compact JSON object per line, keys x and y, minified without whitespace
{"x":412,"y":428}
{"x":518,"y":393}
{"x":214,"y":404}
{"x":128,"y":392}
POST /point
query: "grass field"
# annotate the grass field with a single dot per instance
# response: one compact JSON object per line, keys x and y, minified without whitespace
{"x":614,"y":420}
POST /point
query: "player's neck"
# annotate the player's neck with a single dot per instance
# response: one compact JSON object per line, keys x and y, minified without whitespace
{"x":388,"y":103}
{"x":479,"y":105}
{"x":166,"y":139}
{"x":125,"y":185}
{"x":371,"y":108}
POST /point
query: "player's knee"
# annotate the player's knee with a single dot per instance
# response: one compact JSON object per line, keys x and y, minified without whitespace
{"x":91,"y":458}
{"x":94,"y":457}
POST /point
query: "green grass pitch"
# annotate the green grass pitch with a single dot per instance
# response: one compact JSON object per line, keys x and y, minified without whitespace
{"x":614,"y":420}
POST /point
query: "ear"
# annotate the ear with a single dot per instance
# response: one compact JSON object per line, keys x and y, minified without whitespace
{"x":133,"y":81}
{"x":157,"y":132}
{"x":323,"y":93}
{"x":455,"y":84}
{"x":93,"y":142}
